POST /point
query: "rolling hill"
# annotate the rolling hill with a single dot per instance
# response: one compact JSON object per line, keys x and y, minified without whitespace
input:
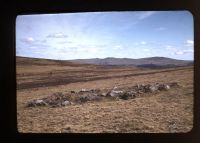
{"x":152,"y":62}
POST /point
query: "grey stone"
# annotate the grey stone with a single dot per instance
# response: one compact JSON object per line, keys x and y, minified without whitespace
{"x":115,"y":93}
{"x":153,"y":88}
{"x":65,"y":103}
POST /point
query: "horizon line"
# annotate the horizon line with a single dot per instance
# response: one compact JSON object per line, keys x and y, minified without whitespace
{"x":100,"y":58}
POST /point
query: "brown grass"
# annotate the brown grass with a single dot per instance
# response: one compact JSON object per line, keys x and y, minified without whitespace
{"x":167,"y":111}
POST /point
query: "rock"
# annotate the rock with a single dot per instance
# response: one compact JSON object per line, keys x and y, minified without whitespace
{"x":103,"y":94}
{"x":131,"y":94}
{"x":115,"y":87}
{"x":124,"y":96}
{"x":153,"y":88}
{"x":114,"y":93}
{"x":65,"y":103}
{"x":167,"y":87}
{"x":72,"y":103}
{"x":163,"y":87}
{"x":83,"y":99}
{"x":84,"y":95}
{"x":37,"y":102}
{"x":31,"y":104}
{"x":95,"y":90}
{"x":73,"y":91}
{"x":84,"y":90}
{"x":94,"y":98}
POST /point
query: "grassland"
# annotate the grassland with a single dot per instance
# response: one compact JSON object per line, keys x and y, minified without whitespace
{"x":164,"y":112}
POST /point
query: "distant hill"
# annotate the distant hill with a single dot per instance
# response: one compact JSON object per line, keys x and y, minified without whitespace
{"x":44,"y":62}
{"x":152,"y":62}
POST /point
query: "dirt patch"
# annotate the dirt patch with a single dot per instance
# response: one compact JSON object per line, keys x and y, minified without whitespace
{"x":67,"y":80}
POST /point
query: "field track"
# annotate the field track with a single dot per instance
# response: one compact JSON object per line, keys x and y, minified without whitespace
{"x":66,"y":80}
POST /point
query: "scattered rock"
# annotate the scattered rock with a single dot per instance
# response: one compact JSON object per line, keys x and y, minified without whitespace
{"x":86,"y":98}
{"x":131,"y":94}
{"x":73,"y":91}
{"x":37,"y":102}
{"x":55,"y":100}
{"x":83,"y":90}
{"x":114,"y":93}
{"x":85,"y":95}
{"x":124,"y":96}
{"x":103,"y":94}
{"x":153,"y":88}
{"x":163,"y":87}
{"x":65,"y":103}
{"x":115,"y":87}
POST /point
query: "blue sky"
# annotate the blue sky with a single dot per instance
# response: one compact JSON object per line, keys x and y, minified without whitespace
{"x":135,"y":35}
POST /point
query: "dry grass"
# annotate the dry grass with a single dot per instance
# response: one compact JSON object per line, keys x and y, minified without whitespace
{"x":167,"y":111}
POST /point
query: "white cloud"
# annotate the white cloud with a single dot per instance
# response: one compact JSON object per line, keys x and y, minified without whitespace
{"x":143,"y":42}
{"x":28,"y":40}
{"x":146,"y":14}
{"x":189,"y":43}
{"x":168,"y":46}
{"x":57,"y":35}
{"x":188,"y":51}
{"x":178,"y":51}
{"x":181,"y":52}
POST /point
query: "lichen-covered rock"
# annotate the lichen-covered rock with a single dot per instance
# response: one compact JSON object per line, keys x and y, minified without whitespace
{"x":37,"y":102}
{"x":114,"y":93}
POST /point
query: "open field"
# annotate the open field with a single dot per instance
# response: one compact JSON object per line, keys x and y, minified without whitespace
{"x":163,"y":112}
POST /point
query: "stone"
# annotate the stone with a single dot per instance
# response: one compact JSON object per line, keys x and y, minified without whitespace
{"x":65,"y":103}
{"x":153,"y":88}
{"x":167,"y":87}
{"x":115,"y":87}
{"x":114,"y":93}
{"x":103,"y":94}
{"x":124,"y":96}
{"x":73,"y":91}
{"x":131,"y":94}
{"x":84,"y":95}
{"x":84,"y":90}
{"x":163,"y":87}
{"x":37,"y":102}
{"x":83,"y":99}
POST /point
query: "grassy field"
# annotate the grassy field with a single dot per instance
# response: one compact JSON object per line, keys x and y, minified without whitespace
{"x":164,"y":112}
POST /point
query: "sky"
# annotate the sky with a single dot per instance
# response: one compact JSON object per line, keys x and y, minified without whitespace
{"x":127,"y":34}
